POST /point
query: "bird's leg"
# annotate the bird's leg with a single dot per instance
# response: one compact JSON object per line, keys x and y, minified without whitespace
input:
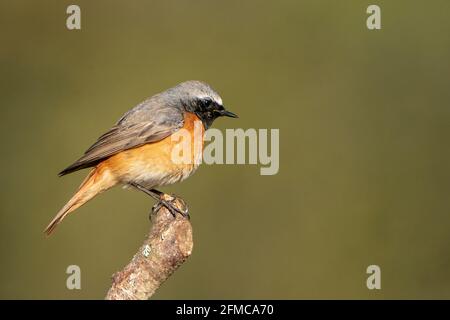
{"x":164,"y":200}
{"x":154,"y":195}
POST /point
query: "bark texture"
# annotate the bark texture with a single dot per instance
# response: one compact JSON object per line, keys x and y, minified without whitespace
{"x":168,"y":244}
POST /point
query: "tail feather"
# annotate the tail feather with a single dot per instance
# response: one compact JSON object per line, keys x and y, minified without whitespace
{"x":74,"y":203}
{"x":95,"y":183}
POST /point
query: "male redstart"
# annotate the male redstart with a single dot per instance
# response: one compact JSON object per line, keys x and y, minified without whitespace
{"x":137,"y":150}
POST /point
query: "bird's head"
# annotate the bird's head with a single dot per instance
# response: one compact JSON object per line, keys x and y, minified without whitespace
{"x":199,"y":98}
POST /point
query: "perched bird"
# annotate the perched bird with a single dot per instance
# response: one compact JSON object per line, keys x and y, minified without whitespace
{"x":137,"y":150}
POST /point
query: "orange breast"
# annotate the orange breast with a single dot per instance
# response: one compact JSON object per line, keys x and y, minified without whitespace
{"x":158,"y":163}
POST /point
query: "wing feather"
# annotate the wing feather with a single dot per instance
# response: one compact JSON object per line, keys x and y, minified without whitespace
{"x":141,"y":126}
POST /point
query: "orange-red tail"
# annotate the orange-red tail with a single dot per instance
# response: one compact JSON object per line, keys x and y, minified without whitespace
{"x":96,"y":182}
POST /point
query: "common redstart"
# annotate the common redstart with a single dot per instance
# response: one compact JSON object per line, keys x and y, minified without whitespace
{"x":137,"y":150}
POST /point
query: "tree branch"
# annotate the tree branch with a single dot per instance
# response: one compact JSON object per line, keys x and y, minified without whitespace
{"x":168,"y":244}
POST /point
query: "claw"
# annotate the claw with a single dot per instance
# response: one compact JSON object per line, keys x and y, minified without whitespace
{"x":168,"y":201}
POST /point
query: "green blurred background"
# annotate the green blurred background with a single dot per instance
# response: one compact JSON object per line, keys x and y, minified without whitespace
{"x":364,"y":155}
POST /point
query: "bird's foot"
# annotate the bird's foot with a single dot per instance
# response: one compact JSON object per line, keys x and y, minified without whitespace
{"x":173,"y":204}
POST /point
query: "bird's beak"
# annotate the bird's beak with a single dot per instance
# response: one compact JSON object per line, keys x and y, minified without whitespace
{"x":226,"y":113}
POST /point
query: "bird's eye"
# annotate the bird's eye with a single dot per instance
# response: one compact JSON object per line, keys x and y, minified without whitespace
{"x":205,"y":103}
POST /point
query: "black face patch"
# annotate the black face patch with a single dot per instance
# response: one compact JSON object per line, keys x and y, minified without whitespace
{"x":204,"y":104}
{"x":207,"y":110}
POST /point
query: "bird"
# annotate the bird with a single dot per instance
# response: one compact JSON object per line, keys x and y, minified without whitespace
{"x":137,"y":151}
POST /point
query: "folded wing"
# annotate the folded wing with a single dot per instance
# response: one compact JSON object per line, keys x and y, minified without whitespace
{"x":139,"y":127}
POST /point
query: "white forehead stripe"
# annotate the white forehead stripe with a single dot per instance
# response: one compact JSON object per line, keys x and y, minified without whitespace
{"x":216,"y":99}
